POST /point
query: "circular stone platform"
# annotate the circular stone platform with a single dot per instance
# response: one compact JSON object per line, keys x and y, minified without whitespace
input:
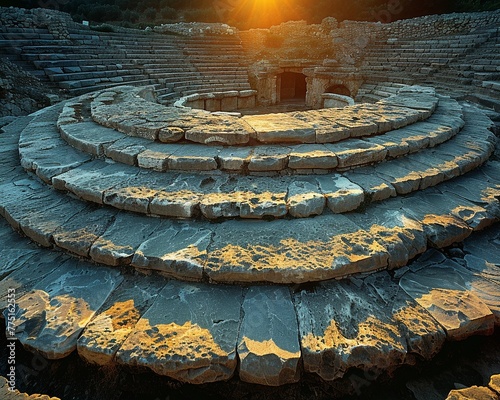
{"x":269,"y":246}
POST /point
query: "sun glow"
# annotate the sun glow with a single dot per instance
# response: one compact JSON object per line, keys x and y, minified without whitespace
{"x":265,"y":13}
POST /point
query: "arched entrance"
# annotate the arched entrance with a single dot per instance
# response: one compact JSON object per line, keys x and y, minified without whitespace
{"x":339,"y":89}
{"x":292,"y":86}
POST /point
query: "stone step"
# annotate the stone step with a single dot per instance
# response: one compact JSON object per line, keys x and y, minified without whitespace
{"x":326,"y":247}
{"x":336,"y":321}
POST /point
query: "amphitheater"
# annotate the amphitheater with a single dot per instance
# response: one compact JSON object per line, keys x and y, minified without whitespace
{"x":159,"y":218}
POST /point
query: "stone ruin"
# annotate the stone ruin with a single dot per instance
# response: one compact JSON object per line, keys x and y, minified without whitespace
{"x":170,"y":230}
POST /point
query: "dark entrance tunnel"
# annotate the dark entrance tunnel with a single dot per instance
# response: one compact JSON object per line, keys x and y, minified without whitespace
{"x":293,"y":86}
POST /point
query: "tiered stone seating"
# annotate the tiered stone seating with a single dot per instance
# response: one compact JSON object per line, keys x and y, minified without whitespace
{"x":92,"y":60}
{"x":220,"y":63}
{"x":419,"y":57}
{"x":413,"y":176}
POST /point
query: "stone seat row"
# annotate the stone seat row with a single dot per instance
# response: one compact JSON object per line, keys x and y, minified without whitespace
{"x":128,"y":313}
{"x":303,"y":159}
{"x":384,"y":235}
{"x":156,"y":122}
{"x":182,"y":195}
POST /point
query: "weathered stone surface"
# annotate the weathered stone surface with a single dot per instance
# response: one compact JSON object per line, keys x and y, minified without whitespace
{"x":325,"y":125}
{"x":89,"y":137}
{"x":342,"y":325}
{"x":175,"y":249}
{"x":220,"y":131}
{"x":181,"y":197}
{"x":246,"y":197}
{"x":192,"y":157}
{"x":375,"y":187}
{"x":82,"y":229}
{"x":442,"y":292}
{"x":473,"y":393}
{"x":93,"y":179}
{"x":268,"y":345}
{"x":53,"y":314}
{"x":117,"y":318}
{"x":341,"y":194}
{"x":442,"y":228}
{"x":314,"y":156}
{"x":49,"y":159}
{"x":280,"y":128}
{"x":269,"y":158}
{"x":292,"y":251}
{"x":402,"y":236}
{"x":305,"y":199}
{"x":234,"y":159}
{"x":155,"y":156}
{"x":424,"y":336}
{"x":30,"y":272}
{"x":357,"y":152}
{"x":12,"y":258}
{"x":126,"y":150}
{"x":118,"y":244}
{"x":189,"y":333}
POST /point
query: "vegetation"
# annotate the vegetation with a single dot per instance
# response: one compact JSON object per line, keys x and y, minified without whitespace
{"x":246,"y":14}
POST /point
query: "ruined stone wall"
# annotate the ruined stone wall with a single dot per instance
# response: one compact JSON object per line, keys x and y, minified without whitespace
{"x":440,"y":25}
{"x":196,"y":29}
{"x":56,"y":22}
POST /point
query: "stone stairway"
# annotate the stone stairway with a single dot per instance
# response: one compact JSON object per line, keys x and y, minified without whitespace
{"x":266,"y":263}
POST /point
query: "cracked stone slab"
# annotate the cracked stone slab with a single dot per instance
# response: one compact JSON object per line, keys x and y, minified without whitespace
{"x":481,"y":283}
{"x":136,"y":192}
{"x":234,"y":159}
{"x":401,"y":235}
{"x":118,"y":244}
{"x":80,"y":231}
{"x":342,"y":325}
{"x":296,"y":251}
{"x":35,"y":210}
{"x":13,"y":258}
{"x":443,"y":293}
{"x":341,"y":194}
{"x":269,"y":158}
{"x":52,"y":315}
{"x":268,"y":345}
{"x":93,"y":179}
{"x":220,"y":131}
{"x":117,"y":318}
{"x":312,"y":156}
{"x":357,"y":152}
{"x":323,"y":122}
{"x":48,"y":157}
{"x":126,"y":149}
{"x":175,"y":249}
{"x":89,"y":137}
{"x":193,"y":157}
{"x":424,"y":335}
{"x":375,"y":187}
{"x":28,"y":273}
{"x":246,"y":197}
{"x":435,"y":213}
{"x":305,"y":199}
{"x":280,"y":128}
{"x":189,"y":333}
{"x":181,"y":197}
